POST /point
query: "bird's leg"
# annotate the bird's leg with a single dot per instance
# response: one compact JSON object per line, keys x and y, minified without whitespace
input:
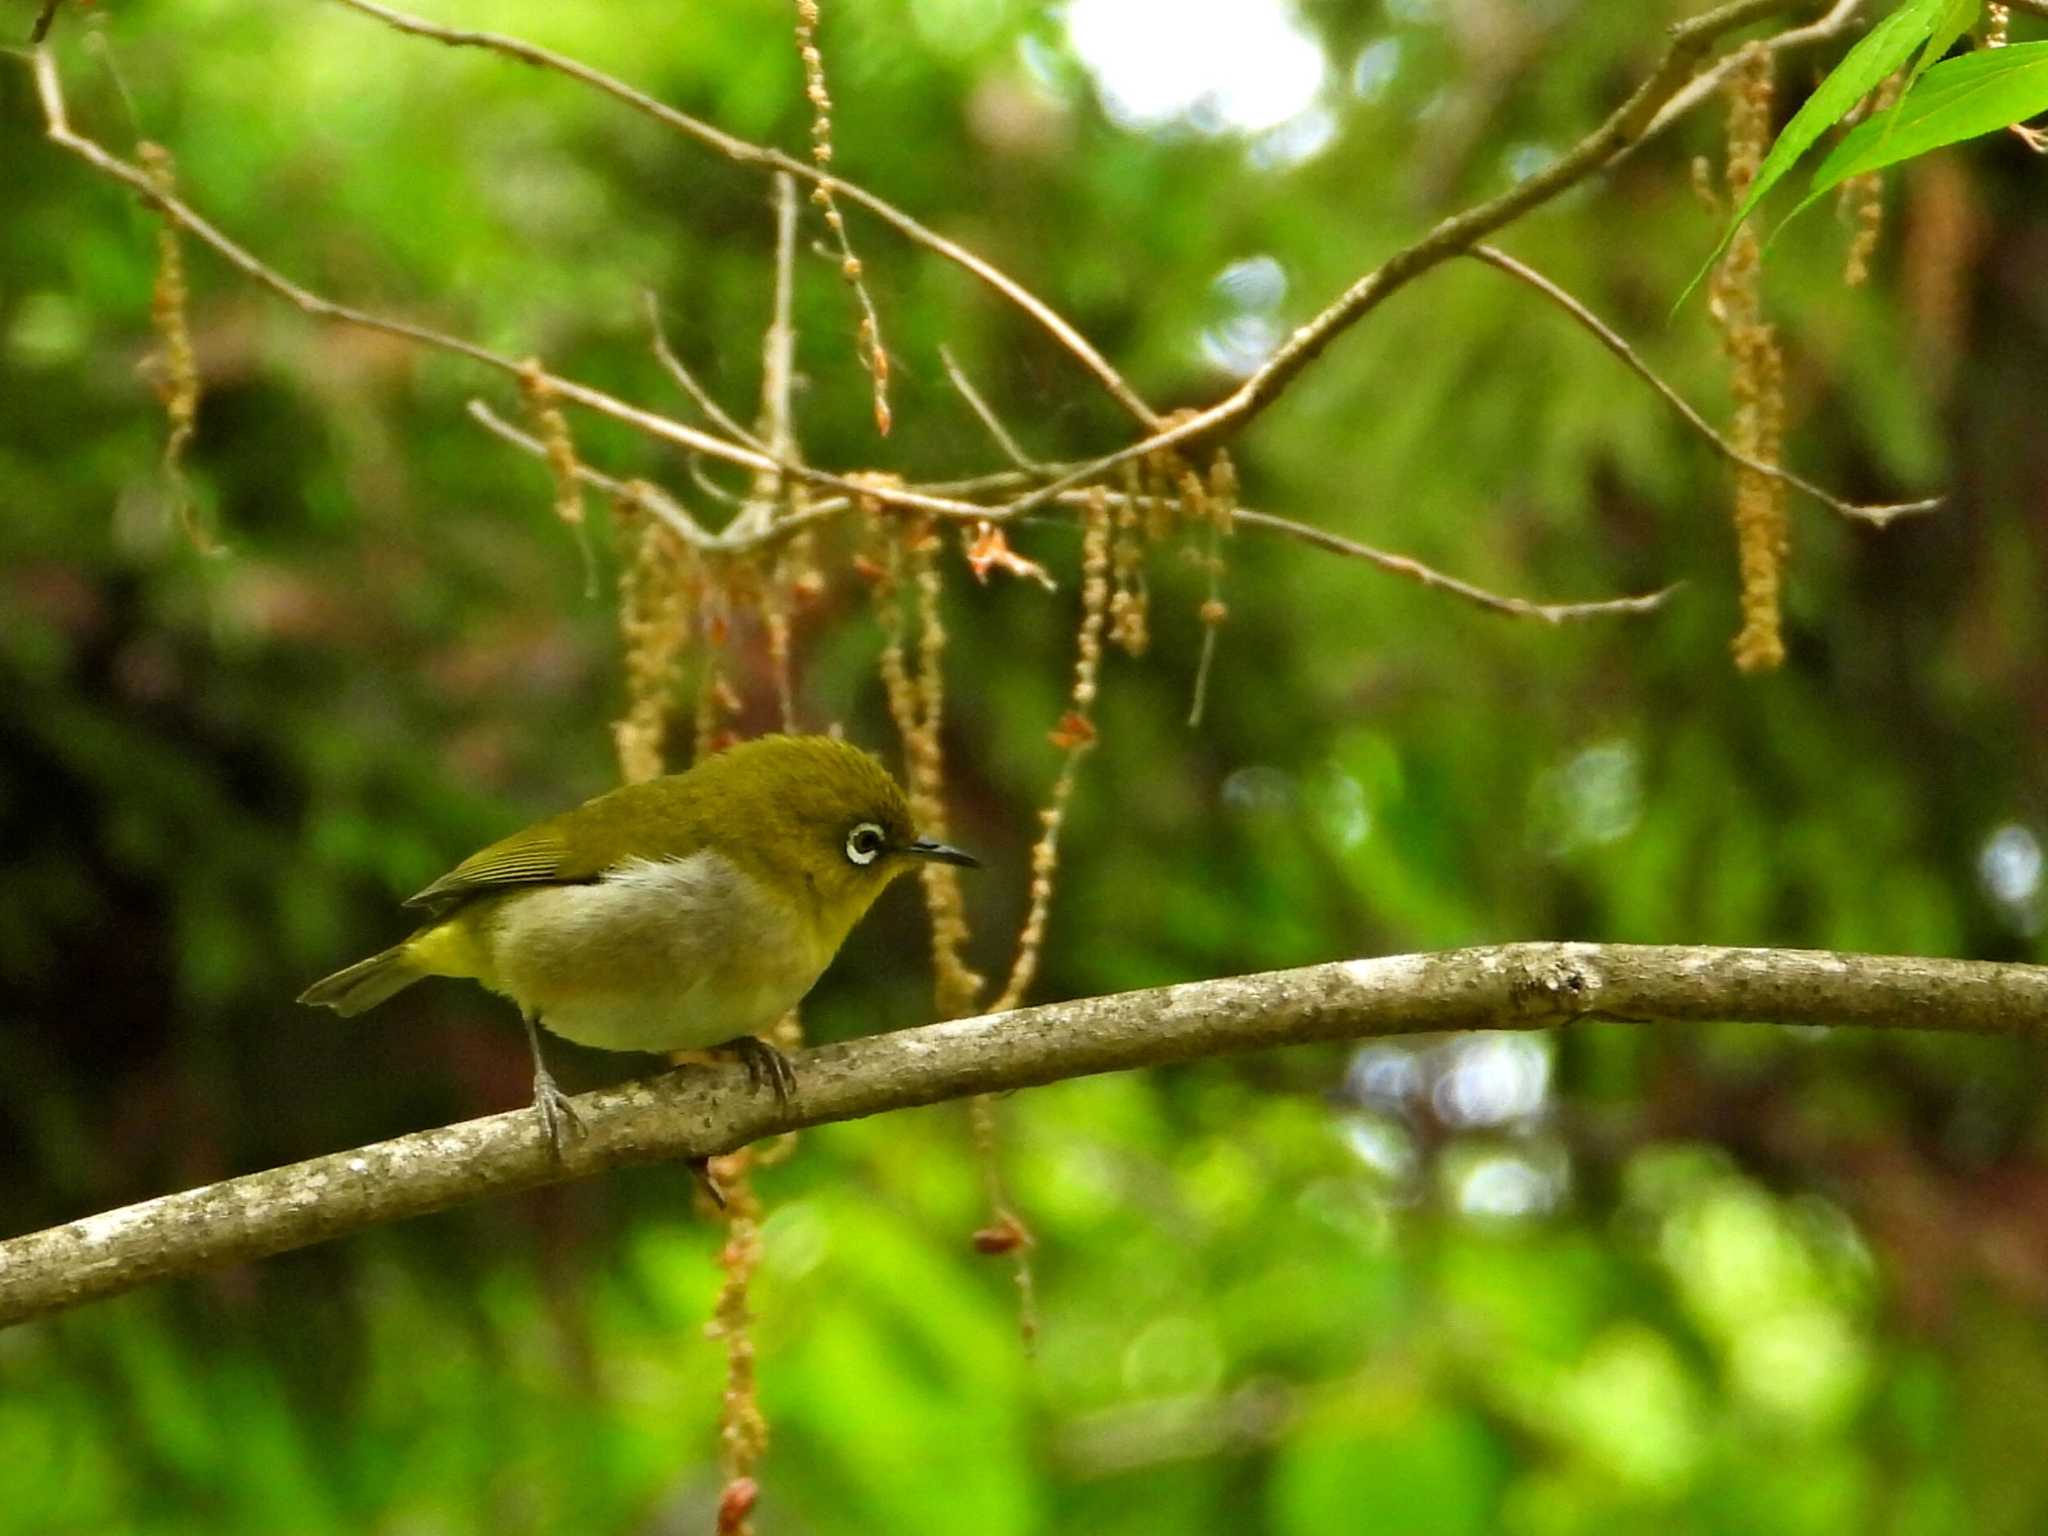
{"x":763,"y":1061}
{"x":557,"y":1114}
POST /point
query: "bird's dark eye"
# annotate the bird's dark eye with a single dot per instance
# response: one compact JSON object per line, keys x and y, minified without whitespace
{"x":864,"y":843}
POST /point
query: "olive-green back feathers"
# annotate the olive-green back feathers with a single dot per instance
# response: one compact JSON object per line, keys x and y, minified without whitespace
{"x":781,"y":801}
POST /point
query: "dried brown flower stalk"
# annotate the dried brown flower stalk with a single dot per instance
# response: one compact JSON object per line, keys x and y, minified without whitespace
{"x":955,"y":985}
{"x":900,"y":562}
{"x":868,"y":334}
{"x":901,"y":554}
{"x":1736,"y":300}
{"x":177,"y":369}
{"x":1217,"y":502}
{"x":776,"y":595}
{"x":1129,"y":599}
{"x":1074,"y":735}
{"x":657,"y":599}
{"x":1861,"y":199}
{"x":1005,"y":1232}
{"x":743,"y":1432}
{"x":552,"y":428}
{"x":717,"y":702}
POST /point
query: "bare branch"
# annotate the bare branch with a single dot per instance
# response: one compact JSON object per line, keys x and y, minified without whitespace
{"x":701,"y":478}
{"x":778,"y":344}
{"x":987,"y":416}
{"x":178,"y":211}
{"x":738,"y":539}
{"x":648,"y":422}
{"x":59,"y":131}
{"x":703,"y":1111}
{"x":687,"y":381}
{"x":1877,"y":515}
{"x":1708,"y":82}
{"x":778,"y":374}
{"x":1416,"y":571}
{"x":641,"y":492}
{"x":765,"y":158}
{"x":1690,"y":40}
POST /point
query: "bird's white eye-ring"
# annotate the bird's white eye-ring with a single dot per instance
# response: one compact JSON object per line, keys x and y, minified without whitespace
{"x":865,"y":842}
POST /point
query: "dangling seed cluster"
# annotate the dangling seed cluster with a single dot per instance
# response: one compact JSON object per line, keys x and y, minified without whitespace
{"x":1736,"y":300}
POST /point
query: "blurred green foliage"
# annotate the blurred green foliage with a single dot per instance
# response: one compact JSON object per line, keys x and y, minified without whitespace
{"x":1734,"y":1280}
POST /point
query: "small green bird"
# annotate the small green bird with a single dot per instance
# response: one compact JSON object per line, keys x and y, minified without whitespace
{"x":685,"y":913}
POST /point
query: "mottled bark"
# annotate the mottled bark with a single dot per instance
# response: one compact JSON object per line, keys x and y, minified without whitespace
{"x":697,"y":1111}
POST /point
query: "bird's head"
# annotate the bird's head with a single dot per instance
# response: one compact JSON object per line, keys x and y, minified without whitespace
{"x":822,"y":821}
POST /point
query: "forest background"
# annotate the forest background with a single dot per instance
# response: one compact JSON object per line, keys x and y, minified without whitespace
{"x":1725,"y":1279}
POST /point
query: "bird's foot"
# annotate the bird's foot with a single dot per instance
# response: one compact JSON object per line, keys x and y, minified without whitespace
{"x":558,"y":1116}
{"x":764,"y":1062}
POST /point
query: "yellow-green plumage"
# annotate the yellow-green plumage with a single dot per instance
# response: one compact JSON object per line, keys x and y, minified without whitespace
{"x":675,"y":914}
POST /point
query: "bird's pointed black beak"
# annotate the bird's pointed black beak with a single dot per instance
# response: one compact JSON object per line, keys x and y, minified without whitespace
{"x":940,"y":853}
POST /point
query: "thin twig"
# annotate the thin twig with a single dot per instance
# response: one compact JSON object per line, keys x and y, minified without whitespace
{"x":763,"y":157}
{"x":1416,"y":571}
{"x":1689,"y":40}
{"x":829,"y":509}
{"x":687,"y":381}
{"x":867,"y":337}
{"x":1708,"y":82}
{"x":778,"y":343}
{"x":987,"y":416}
{"x":640,"y":492}
{"x":1205,"y":666}
{"x":651,"y":423}
{"x":701,"y":478}
{"x":993,"y":480}
{"x":60,"y":132}
{"x":1878,"y":515}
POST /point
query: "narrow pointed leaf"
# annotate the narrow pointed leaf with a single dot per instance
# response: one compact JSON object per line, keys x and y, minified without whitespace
{"x":1951,"y":24}
{"x":1959,"y":99}
{"x":1882,"y":52}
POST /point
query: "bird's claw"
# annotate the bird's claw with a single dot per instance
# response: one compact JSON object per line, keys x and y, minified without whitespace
{"x":558,"y":1116}
{"x":764,"y":1063}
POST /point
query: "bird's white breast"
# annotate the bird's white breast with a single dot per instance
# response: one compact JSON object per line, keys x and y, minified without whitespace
{"x":657,"y":955}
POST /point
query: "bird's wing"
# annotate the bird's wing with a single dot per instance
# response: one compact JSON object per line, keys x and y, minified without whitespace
{"x":629,"y":822}
{"x":535,"y":857}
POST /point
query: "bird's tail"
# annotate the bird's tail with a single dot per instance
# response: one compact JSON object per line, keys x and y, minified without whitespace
{"x":366,"y":983}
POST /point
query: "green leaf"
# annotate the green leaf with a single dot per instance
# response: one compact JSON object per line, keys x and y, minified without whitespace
{"x":1976,"y":94}
{"x":1881,"y":53}
{"x":1960,"y":16}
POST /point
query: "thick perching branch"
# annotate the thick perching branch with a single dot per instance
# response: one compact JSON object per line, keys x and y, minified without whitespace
{"x":703,"y":1111}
